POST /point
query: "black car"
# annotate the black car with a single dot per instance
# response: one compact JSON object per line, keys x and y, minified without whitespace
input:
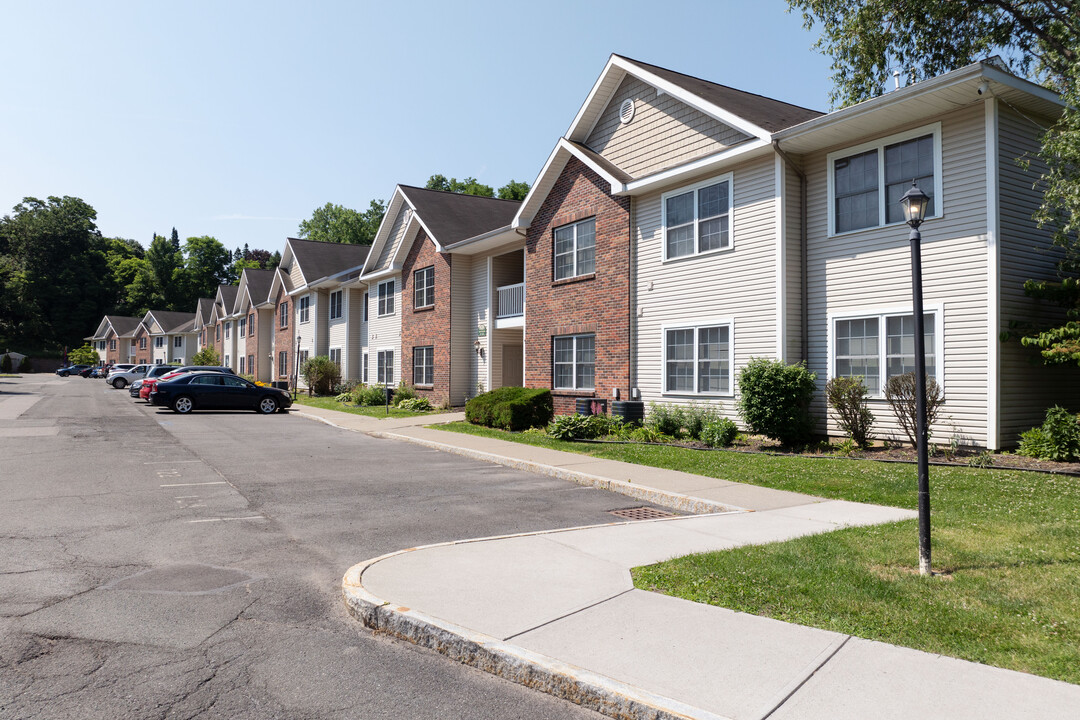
{"x":217,"y":391}
{"x":71,"y":370}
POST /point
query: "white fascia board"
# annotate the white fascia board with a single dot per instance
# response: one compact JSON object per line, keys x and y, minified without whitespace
{"x":1000,"y":76}
{"x":616,"y":184}
{"x":555,"y":164}
{"x":294,"y":261}
{"x":466,"y":246}
{"x":711,"y":163}
{"x":381,"y":235}
{"x":408,"y":237}
{"x":371,"y":278}
{"x":694,"y":101}
{"x":531,"y":197}
{"x":592,"y":98}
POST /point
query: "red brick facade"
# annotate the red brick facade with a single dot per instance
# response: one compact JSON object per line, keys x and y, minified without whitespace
{"x":142,"y":346}
{"x":112,"y":349}
{"x":424,"y":326}
{"x":597,"y":303}
{"x":283,"y":336}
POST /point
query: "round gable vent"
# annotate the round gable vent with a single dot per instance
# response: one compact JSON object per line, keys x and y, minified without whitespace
{"x":626,"y":111}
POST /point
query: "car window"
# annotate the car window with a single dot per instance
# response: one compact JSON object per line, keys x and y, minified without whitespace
{"x":206,"y":380}
{"x":232,"y":381}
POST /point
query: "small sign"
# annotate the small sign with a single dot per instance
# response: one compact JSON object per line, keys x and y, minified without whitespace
{"x":481,"y":331}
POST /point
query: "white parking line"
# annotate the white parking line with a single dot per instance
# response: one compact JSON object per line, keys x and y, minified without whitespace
{"x":216,"y":482}
{"x":206,"y":520}
{"x":171,"y":462}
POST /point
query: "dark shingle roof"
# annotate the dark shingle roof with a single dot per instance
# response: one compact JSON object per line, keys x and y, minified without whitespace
{"x":258,"y":283}
{"x":323,"y":259}
{"x":616,"y":172}
{"x":171,"y":322}
{"x":123,"y":325}
{"x":453,"y":217}
{"x":766,"y":113}
{"x":206,"y":306}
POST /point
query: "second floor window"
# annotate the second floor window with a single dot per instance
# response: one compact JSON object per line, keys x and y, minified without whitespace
{"x":303,"y":308}
{"x":386,"y":298}
{"x":251,"y":323}
{"x":228,"y":330}
{"x":142,"y":343}
{"x":283,"y":313}
{"x":112,"y":344}
{"x":242,"y":327}
{"x":575,"y":249}
{"x":698,"y":219}
{"x":335,"y":305}
{"x":424,"y":287}
{"x":365,"y":307}
{"x":178,"y":342}
{"x":159,"y":342}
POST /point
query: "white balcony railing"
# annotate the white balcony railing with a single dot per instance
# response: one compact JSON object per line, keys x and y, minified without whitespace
{"x":511,"y":301}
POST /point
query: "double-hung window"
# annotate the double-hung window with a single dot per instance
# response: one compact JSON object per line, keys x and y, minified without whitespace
{"x":142,"y":343}
{"x":424,"y":365}
{"x":574,"y":362}
{"x":697,"y":360}
{"x":251,"y":364}
{"x":335,"y":356}
{"x":697,"y":219}
{"x":159,"y":341}
{"x":283,"y":363}
{"x":385,"y":367}
{"x":243,"y":360}
{"x":335,"y":305}
{"x":241,"y":327}
{"x":251,"y":324}
{"x":424,"y":287}
{"x":228,"y":329}
{"x":304,"y":309}
{"x":112,"y":344}
{"x":364,"y":370}
{"x":878,"y":347}
{"x":365,"y":307}
{"x":866,"y":182}
{"x":386,"y":298}
{"x":575,"y":249}
{"x":283,"y":313}
{"x":178,"y":341}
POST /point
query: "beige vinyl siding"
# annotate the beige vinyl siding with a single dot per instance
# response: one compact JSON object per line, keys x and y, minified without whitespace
{"x":306,"y":332}
{"x":737,"y":285}
{"x":393,"y":240}
{"x":793,"y":262}
{"x":296,"y":278}
{"x":462,"y":329}
{"x":1027,"y":253}
{"x":337,"y":330}
{"x":870,"y":270}
{"x":663,"y":133}
{"x":267,"y":361}
{"x":384,"y":332}
{"x":356,"y":338}
{"x":480,"y":314}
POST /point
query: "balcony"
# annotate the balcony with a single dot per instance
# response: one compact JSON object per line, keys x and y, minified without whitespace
{"x":510,"y":306}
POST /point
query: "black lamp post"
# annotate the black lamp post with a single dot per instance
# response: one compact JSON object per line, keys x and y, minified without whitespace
{"x":915,"y":202}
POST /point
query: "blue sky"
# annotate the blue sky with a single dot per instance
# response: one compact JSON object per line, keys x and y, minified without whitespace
{"x":237,"y":119}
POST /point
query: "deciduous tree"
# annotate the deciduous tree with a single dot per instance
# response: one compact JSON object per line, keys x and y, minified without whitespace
{"x":335,"y":223}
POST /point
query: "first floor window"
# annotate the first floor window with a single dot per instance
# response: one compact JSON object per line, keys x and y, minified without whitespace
{"x":363,"y":370}
{"x":386,"y":298}
{"x":385,"y":369}
{"x":335,"y":356}
{"x":251,"y":364}
{"x":879,"y":347}
{"x":303,"y":307}
{"x":424,"y":365}
{"x":304,"y":354}
{"x":697,"y":359}
{"x":335,"y":305}
{"x":424,"y":287}
{"x":575,"y":249}
{"x":283,"y":363}
{"x":575,"y":362}
{"x":243,"y":362}
{"x":227,"y":364}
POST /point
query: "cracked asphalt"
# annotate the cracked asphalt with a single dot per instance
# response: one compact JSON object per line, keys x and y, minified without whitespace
{"x":160,"y":566}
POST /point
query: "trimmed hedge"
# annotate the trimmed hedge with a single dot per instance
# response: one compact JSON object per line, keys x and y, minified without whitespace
{"x":511,"y":408}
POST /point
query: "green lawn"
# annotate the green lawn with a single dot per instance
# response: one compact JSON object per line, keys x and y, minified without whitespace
{"x":377,"y":411}
{"x":1006,"y":542}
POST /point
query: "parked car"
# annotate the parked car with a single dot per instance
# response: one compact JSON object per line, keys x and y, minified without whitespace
{"x":93,"y":371}
{"x":71,"y":370}
{"x":147,"y":384}
{"x":217,"y":391}
{"x":135,"y":387}
{"x":123,"y":379}
{"x":119,"y":368}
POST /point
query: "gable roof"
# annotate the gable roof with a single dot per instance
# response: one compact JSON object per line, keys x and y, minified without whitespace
{"x":319,"y":260}
{"x":122,"y":325}
{"x":280,"y":281}
{"x":258,"y":284}
{"x":450,"y":217}
{"x":224,"y":300}
{"x":172,"y":322}
{"x":203,"y":311}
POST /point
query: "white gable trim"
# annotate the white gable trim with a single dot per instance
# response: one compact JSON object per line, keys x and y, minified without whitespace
{"x":290,"y":254}
{"x":382,"y":234}
{"x":710,"y":163}
{"x":555,"y":164}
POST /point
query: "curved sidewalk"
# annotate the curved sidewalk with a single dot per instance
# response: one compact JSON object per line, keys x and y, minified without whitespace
{"x":557,"y":610}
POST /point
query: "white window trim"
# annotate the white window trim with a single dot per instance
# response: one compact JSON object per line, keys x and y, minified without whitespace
{"x":935,"y":309}
{"x":391,"y":295}
{"x":341,"y":305}
{"x":364,"y":369}
{"x":178,"y":341}
{"x":241,"y":327}
{"x":573,"y":253}
{"x":939,"y":201}
{"x":330,"y":354}
{"x":417,"y":289}
{"x":423,"y":347}
{"x":729,"y":177}
{"x":575,"y":363}
{"x":379,"y":351}
{"x":694,"y":325}
{"x":301,"y":310}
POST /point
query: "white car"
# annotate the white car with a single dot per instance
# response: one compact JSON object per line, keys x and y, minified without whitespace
{"x":121,"y":380}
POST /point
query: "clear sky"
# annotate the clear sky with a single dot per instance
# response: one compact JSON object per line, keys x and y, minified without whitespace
{"x":237,"y":119}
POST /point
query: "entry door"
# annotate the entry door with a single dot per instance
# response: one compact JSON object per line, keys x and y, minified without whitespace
{"x":513,"y":358}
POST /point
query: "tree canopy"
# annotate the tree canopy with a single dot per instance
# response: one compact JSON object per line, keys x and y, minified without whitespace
{"x":512,"y":190}
{"x":335,"y":223}
{"x":1037,"y":39}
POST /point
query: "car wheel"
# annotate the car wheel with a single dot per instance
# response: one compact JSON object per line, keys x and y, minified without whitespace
{"x":183,"y":405}
{"x":267,"y":405}
{"x":64,"y":374}
{"x":119,"y":383}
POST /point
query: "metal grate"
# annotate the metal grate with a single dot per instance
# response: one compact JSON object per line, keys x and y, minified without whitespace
{"x":642,"y":513}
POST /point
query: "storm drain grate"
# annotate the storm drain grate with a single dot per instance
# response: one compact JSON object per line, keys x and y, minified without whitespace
{"x":642,"y":513}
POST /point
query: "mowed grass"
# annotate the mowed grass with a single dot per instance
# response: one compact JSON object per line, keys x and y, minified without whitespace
{"x":1006,"y":545}
{"x":376,"y":411}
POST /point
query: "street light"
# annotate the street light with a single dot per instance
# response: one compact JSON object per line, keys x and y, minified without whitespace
{"x":915,"y":202}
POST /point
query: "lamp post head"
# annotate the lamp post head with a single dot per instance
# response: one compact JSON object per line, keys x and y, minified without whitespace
{"x":915,"y":203}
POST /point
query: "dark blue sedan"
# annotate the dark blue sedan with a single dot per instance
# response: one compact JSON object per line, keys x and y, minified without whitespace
{"x":217,"y":391}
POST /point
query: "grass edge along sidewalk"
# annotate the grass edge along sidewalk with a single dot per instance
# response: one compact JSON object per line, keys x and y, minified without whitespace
{"x":375,"y":411}
{"x":1006,"y":542}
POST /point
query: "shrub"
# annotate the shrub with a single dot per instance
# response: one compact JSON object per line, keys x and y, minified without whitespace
{"x":206,"y":356}
{"x":696,"y":417}
{"x":404,"y":392}
{"x":415,"y":404}
{"x":574,"y":427}
{"x":369,"y":395}
{"x":900,"y":392}
{"x":5,"y":364}
{"x":775,"y":400}
{"x":648,"y":434}
{"x":666,"y":419}
{"x":344,"y":397}
{"x":1057,"y":439}
{"x":320,"y":373}
{"x":511,"y":408}
{"x":25,"y":365}
{"x":718,"y":433}
{"x":847,"y":398}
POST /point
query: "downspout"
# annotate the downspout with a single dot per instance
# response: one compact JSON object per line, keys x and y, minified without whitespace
{"x":805,"y":321}
{"x":632,"y":278}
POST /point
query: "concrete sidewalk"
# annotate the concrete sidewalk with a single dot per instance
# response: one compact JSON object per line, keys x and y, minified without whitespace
{"x":557,"y":611}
